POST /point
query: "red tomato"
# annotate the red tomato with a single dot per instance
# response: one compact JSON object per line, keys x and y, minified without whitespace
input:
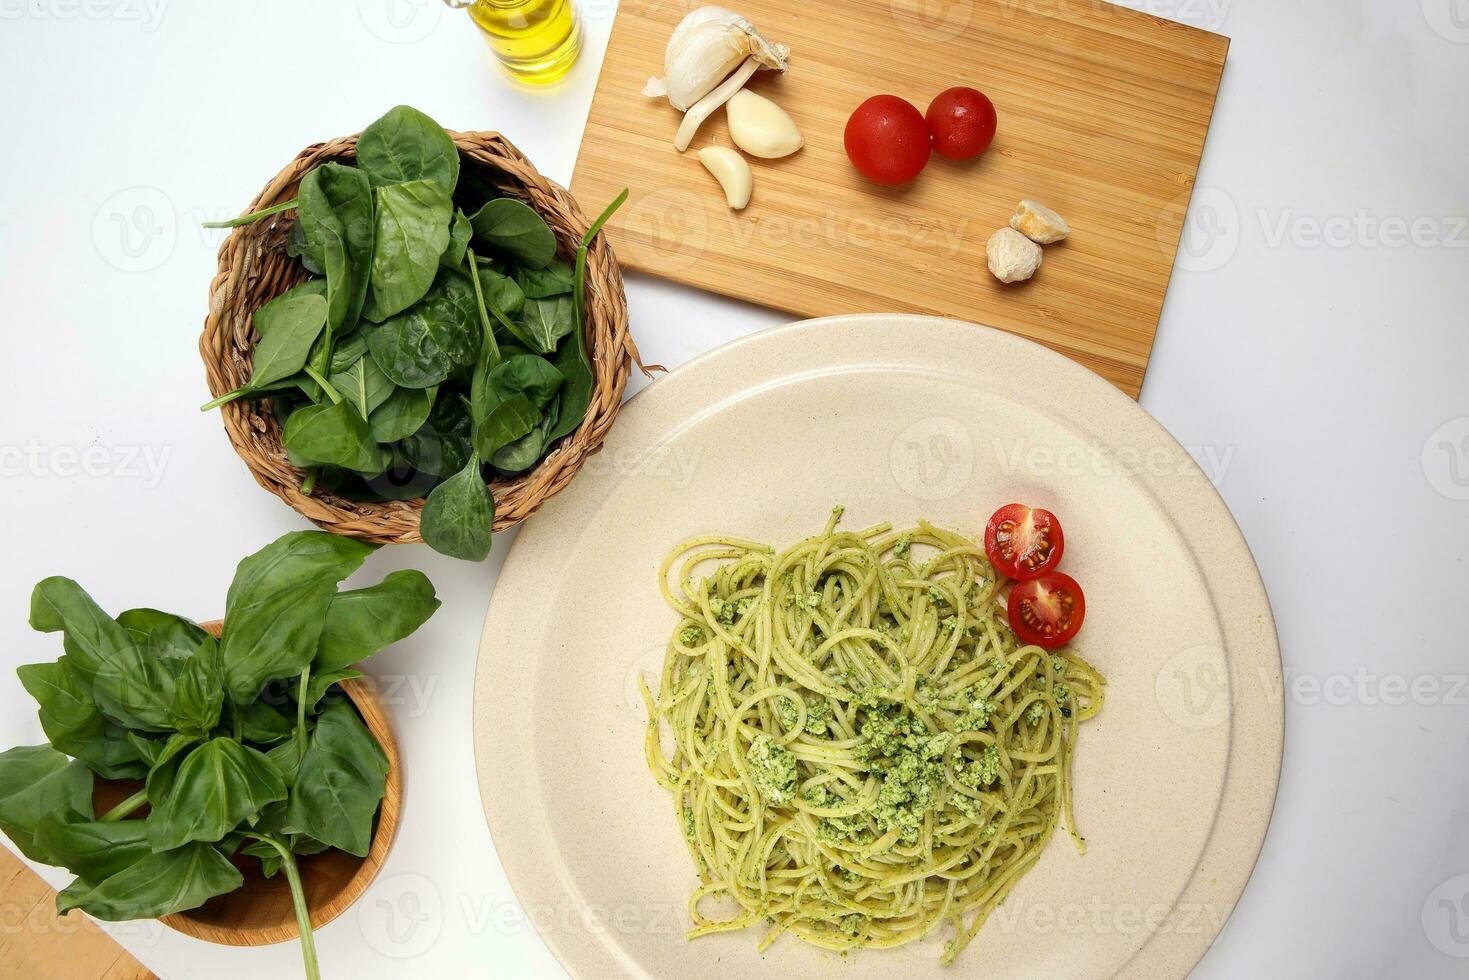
{"x":1022,"y":542}
{"x":887,"y":140}
{"x":1047,"y":611}
{"x":963,"y":122}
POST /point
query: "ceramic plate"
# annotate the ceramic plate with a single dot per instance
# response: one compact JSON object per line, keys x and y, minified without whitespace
{"x":896,"y":417}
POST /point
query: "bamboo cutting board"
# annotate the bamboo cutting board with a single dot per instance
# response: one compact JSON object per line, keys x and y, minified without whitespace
{"x":1103,"y":113}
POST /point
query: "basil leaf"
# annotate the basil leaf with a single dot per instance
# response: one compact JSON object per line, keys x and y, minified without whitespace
{"x":75,"y":725}
{"x":333,"y":435}
{"x":217,"y":787}
{"x":407,"y":145}
{"x":337,"y":216}
{"x":36,"y":780}
{"x":513,"y":228}
{"x":458,"y":515}
{"x":412,"y":232}
{"x":198,"y":694}
{"x":340,"y":783}
{"x":93,"y":849}
{"x":361,"y":622}
{"x":288,"y":327}
{"x":321,"y":684}
{"x":157,"y":885}
{"x":554,"y":280}
{"x":276,"y":606}
{"x":128,"y":683}
{"x":264,"y":724}
{"x":166,"y":634}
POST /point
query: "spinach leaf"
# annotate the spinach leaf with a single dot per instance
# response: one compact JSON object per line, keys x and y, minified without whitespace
{"x":502,"y":293}
{"x":513,"y":228}
{"x":75,"y":725}
{"x":546,"y":321}
{"x":421,"y":347}
{"x":364,"y":385}
{"x":219,"y":785}
{"x":128,"y":683}
{"x":288,"y":327}
{"x":441,"y":445}
{"x":337,"y":217}
{"x":460,"y":231}
{"x":333,"y":435}
{"x":555,"y":279}
{"x":298,"y":247}
{"x":36,"y":780}
{"x":412,"y":232}
{"x":407,"y":145}
{"x":361,"y":622}
{"x":533,"y":377}
{"x":457,"y":517}
{"x":348,"y":352}
{"x":509,"y":420}
{"x":401,"y":415}
{"x":277,"y":604}
{"x":198,"y":694}
{"x":93,"y":849}
{"x":525,"y":452}
{"x":341,"y":781}
{"x":157,"y":885}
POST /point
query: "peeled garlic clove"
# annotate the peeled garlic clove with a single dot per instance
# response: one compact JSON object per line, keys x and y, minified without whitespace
{"x":761,"y":128}
{"x":704,"y":48}
{"x":1038,"y":223}
{"x":1012,"y":256}
{"x":732,"y":171}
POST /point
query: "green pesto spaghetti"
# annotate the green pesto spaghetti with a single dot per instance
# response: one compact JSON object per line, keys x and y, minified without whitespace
{"x":858,"y":749}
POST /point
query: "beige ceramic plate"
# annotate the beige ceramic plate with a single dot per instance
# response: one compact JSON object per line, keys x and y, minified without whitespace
{"x":897,"y":417}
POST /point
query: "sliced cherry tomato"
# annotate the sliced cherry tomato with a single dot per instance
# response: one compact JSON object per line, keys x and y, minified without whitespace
{"x":1023,"y":542}
{"x":1047,"y":611}
{"x":963,"y":122}
{"x":887,"y":140}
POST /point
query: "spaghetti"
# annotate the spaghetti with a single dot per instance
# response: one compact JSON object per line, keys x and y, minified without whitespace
{"x":858,"y":749}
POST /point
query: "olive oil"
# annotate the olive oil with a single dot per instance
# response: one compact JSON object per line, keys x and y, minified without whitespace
{"x":537,"y":40}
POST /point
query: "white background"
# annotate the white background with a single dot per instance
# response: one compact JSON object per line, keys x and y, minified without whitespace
{"x":1313,"y":344}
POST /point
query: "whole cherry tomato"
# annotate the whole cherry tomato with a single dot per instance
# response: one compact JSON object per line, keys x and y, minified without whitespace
{"x":963,"y":123}
{"x":887,"y":140}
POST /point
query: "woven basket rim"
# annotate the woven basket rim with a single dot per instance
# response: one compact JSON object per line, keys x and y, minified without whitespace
{"x":253,"y":268}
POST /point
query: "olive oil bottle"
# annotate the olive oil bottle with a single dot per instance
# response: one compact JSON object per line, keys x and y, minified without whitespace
{"x":537,"y":40}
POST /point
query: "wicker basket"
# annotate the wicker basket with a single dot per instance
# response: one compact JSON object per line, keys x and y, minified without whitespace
{"x":254,"y":268}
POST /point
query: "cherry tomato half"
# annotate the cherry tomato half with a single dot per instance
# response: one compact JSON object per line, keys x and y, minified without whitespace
{"x":887,"y":140}
{"x":1047,"y":611}
{"x":963,"y":123}
{"x":1023,"y":542}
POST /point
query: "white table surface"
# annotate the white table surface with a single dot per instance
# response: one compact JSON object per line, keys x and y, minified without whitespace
{"x":1313,"y":348}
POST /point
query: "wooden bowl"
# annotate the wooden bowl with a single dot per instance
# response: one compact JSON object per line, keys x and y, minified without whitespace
{"x":260,"y":912}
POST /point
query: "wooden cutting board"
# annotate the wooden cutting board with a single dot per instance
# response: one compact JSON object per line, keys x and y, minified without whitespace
{"x":1103,"y":114}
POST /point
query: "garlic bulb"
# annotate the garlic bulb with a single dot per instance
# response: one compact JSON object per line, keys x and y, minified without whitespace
{"x":704,"y":48}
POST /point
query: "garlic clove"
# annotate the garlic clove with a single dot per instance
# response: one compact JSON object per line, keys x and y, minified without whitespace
{"x":708,"y":44}
{"x":1012,"y":256}
{"x":706,"y":106}
{"x":760,"y":127}
{"x":733,"y":173}
{"x":1039,"y":223}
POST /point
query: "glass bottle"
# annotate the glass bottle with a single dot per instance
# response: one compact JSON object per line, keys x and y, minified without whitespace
{"x":536,"y":40}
